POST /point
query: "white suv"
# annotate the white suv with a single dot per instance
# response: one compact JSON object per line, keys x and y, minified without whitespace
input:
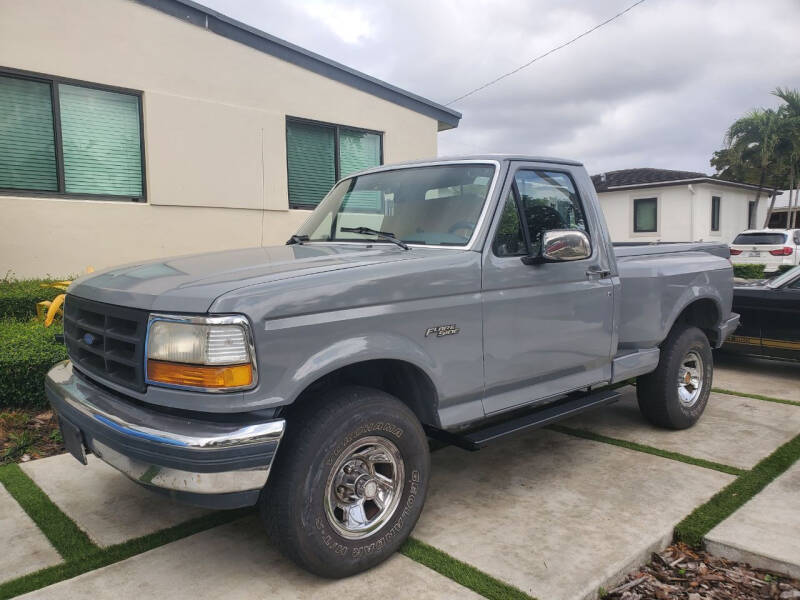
{"x":769,"y":247}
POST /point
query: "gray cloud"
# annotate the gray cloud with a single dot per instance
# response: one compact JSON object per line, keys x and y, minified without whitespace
{"x":655,"y":88}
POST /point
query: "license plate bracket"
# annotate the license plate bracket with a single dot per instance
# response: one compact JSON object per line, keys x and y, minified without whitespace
{"x":73,"y":440}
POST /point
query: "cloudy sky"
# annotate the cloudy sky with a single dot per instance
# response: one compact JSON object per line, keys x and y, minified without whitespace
{"x":656,"y":88}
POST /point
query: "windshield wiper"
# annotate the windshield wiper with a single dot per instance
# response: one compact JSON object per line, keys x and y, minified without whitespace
{"x":381,"y":235}
{"x":297,"y":239}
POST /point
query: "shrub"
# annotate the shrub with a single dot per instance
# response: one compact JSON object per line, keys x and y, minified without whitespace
{"x":18,"y":298}
{"x":784,"y":268}
{"x":748,"y":271}
{"x":27,"y":351}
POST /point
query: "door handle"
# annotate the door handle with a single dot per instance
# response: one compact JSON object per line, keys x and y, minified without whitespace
{"x":597,"y":273}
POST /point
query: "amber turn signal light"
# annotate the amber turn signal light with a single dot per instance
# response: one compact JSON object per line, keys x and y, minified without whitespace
{"x":200,"y":376}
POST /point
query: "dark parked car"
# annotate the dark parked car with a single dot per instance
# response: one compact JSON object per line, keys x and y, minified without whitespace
{"x":770,"y":317}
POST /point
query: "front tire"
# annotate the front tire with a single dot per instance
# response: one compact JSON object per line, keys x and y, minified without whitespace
{"x":675,"y":395}
{"x":349,"y":481}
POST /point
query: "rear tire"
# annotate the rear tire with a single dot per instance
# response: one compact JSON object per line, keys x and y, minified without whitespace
{"x":348,"y":483}
{"x":675,"y":395}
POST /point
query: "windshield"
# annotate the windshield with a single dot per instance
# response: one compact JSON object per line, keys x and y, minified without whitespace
{"x":784,"y":278}
{"x":436,"y":205}
{"x":750,"y":239}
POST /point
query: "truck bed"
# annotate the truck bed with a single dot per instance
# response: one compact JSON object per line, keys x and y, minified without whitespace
{"x":659,"y":280}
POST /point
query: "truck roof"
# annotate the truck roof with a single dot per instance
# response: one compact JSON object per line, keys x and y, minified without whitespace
{"x":471,"y":157}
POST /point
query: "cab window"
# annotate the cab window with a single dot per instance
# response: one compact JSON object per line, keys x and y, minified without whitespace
{"x":549,"y":201}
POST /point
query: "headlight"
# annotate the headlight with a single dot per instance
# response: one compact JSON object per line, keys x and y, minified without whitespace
{"x":212,"y":353}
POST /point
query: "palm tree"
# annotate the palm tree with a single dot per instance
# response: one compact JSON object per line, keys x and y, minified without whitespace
{"x":752,"y":141}
{"x":790,"y":129}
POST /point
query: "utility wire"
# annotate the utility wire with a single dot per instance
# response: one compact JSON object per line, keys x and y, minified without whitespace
{"x":541,"y":56}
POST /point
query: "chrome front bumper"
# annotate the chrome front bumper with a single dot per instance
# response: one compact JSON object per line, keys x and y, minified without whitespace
{"x":221,"y":464}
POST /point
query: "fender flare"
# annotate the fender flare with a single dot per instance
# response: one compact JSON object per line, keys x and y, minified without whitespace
{"x":690,"y":296}
{"x":349,"y":351}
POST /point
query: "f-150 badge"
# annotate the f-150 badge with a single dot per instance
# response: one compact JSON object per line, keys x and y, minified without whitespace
{"x":442,"y":330}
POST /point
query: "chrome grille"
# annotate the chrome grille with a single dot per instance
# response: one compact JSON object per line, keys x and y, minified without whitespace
{"x":106,"y":340}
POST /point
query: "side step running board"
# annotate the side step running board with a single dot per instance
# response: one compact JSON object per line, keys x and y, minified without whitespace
{"x":570,"y":406}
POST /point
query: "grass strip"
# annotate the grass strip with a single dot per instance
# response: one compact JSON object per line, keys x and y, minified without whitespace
{"x":707,"y":516}
{"x":699,"y":462}
{"x":460,"y":572}
{"x":101,"y":557}
{"x":65,"y":536}
{"x":754,"y":396}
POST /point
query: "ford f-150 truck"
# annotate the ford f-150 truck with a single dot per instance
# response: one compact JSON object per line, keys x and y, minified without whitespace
{"x":459,"y":300}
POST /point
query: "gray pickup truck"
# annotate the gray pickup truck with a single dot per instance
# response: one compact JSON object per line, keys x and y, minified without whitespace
{"x":460,"y":300}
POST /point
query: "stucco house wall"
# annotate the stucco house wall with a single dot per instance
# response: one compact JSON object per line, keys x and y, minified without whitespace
{"x":684,"y":212}
{"x":214,"y":129}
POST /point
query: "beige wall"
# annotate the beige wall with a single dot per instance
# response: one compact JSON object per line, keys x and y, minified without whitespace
{"x":214,"y":125}
{"x":684,"y":213}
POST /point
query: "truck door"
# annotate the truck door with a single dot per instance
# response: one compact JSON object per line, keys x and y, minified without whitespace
{"x":548,"y":327}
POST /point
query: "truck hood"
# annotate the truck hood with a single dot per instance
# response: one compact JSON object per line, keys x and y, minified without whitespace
{"x":192,"y":283}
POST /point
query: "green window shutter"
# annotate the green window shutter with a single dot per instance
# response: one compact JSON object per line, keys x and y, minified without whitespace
{"x":27,"y":147}
{"x":359,"y":150}
{"x":101,"y":137}
{"x":311,"y":162}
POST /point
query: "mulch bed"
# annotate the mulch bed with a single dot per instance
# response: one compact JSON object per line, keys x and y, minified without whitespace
{"x":683,"y":572}
{"x":28,"y":434}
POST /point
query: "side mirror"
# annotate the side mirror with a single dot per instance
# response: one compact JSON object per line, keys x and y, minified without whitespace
{"x":561,"y":245}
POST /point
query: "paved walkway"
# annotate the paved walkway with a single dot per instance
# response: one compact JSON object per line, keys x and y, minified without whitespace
{"x":556,"y":515}
{"x":773,"y":378}
{"x":24,"y":547}
{"x":109,"y":507}
{"x":734,"y":431}
{"x":765,"y":532}
{"x":236,"y":561}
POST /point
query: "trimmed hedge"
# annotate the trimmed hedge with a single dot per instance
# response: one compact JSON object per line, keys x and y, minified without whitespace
{"x":27,"y":351}
{"x":18,"y":299}
{"x":748,"y":271}
{"x":784,"y":268}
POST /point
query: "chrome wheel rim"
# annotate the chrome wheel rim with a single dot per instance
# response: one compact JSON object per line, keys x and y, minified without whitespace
{"x":690,"y":379}
{"x":364,"y":487}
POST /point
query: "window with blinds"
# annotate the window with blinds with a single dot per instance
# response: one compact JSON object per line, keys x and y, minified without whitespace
{"x":359,"y":150}
{"x":68,"y":138}
{"x":310,"y":152}
{"x":101,"y":141}
{"x":319,"y":154}
{"x":27,"y":142}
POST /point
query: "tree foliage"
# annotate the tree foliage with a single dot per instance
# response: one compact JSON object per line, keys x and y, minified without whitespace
{"x":763,"y":146}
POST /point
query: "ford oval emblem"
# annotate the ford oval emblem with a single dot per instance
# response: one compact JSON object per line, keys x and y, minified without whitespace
{"x":88,"y":339}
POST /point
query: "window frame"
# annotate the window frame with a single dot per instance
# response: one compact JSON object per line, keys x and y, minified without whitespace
{"x":61,"y":193}
{"x":336,"y":166}
{"x":716,"y":214}
{"x":645,"y":232}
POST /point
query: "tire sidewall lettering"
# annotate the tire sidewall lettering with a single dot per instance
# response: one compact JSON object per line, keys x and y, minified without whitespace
{"x":362,"y":431}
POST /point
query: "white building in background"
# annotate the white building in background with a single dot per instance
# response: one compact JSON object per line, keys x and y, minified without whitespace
{"x":648,"y":205}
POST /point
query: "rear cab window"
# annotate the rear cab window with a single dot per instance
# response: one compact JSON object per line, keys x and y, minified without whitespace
{"x":760,"y":239}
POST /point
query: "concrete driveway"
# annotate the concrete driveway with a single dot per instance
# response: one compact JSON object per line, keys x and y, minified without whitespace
{"x":557,"y":514}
